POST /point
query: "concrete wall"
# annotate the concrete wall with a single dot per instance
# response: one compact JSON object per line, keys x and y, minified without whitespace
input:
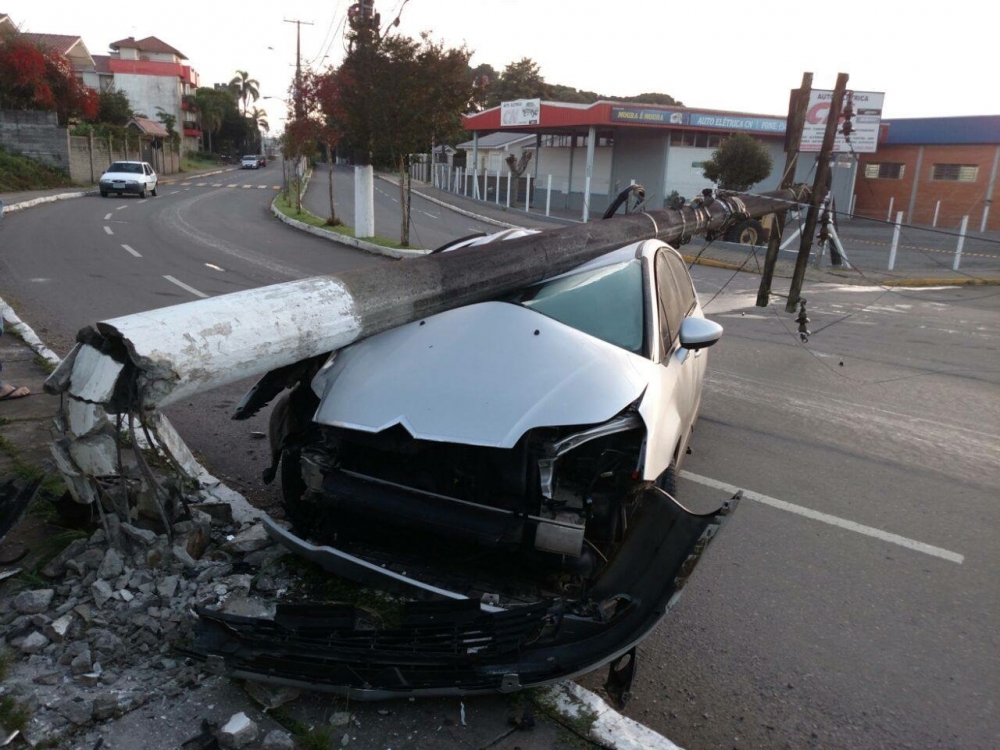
{"x":147,"y":92}
{"x":89,"y":157}
{"x":36,"y":135}
{"x":640,"y":155}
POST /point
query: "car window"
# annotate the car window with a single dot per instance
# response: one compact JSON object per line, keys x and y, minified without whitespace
{"x":606,"y":303}
{"x":126,"y":167}
{"x":676,"y":295}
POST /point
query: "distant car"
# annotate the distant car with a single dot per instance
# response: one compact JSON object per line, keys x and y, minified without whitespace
{"x":128,"y":177}
{"x":509,"y":466}
{"x":250,"y":161}
{"x":263,"y":160}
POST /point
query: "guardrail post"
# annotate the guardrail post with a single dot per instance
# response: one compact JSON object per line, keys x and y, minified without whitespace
{"x":961,"y":242}
{"x":895,"y":240}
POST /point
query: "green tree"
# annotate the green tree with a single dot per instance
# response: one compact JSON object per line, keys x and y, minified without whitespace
{"x":519,"y":80}
{"x":114,"y":108}
{"x":169,"y":121}
{"x":740,"y":162}
{"x":423,"y":90}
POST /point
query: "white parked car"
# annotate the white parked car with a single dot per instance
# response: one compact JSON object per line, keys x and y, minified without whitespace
{"x":509,"y":466}
{"x":250,"y":161}
{"x":128,"y":177}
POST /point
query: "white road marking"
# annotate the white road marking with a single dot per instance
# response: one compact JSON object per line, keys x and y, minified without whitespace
{"x":185,"y":287}
{"x":232,"y":185}
{"x":262,"y":187}
{"x":427,"y":214}
{"x":215,"y":267}
{"x":201,"y":184}
{"x":108,"y":230}
{"x":107,"y":217}
{"x":143,"y":201}
{"x":815,"y":515}
{"x":174,"y":192}
{"x":120,"y":208}
{"x":248,"y":186}
{"x":216,"y":184}
{"x":185,"y":183}
{"x":131,"y":251}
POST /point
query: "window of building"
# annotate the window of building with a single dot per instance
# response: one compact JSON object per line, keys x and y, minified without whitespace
{"x":886,"y":171}
{"x":955,"y":172}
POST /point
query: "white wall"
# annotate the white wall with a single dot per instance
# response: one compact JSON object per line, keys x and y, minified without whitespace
{"x":146,"y":93}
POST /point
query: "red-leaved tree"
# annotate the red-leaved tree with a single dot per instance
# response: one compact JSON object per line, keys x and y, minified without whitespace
{"x":34,"y":77}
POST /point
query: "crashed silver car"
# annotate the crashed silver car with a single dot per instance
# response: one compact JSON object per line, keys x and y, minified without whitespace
{"x":508,"y":468}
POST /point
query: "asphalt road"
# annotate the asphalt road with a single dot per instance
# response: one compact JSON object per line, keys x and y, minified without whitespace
{"x":872,"y":626}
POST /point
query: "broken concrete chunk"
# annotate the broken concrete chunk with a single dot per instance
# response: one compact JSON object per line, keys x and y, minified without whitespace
{"x":167,"y":587}
{"x":181,"y":555}
{"x":84,"y":418}
{"x":193,"y":536}
{"x":57,"y":565}
{"x":96,"y":455}
{"x":81,"y":664}
{"x":270,"y":697}
{"x":91,"y":559}
{"x":278,"y":739}
{"x":57,"y":629}
{"x":33,"y":602}
{"x":220,"y":513}
{"x":33,"y":643}
{"x":250,"y":540}
{"x":101,"y":591}
{"x":111,"y":566}
{"x":94,"y":375}
{"x":340,"y":718}
{"x":239,"y":731}
{"x":105,"y":706}
{"x":142,"y":536}
{"x":59,"y":380}
{"x":77,"y":710}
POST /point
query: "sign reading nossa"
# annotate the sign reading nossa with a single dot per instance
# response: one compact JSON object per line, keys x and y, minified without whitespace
{"x":520,"y":112}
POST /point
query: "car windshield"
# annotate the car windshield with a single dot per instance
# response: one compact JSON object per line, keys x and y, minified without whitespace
{"x":127,"y":167}
{"x":603,"y":302}
{"x":249,"y":158}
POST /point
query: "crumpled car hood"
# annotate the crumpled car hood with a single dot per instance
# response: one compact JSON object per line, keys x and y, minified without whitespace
{"x":481,"y":375}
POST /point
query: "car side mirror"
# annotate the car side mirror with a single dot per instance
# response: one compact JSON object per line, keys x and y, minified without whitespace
{"x":699,"y":333}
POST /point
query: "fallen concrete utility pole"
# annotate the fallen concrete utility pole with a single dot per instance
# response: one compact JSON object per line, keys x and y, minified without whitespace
{"x":134,"y":365}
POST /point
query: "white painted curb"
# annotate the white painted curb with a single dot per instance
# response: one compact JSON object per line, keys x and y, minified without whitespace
{"x":22,"y":329}
{"x":610,"y":728}
{"x":342,"y":239}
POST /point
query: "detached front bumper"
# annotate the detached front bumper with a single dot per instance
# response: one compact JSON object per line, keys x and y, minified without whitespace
{"x":452,"y":645}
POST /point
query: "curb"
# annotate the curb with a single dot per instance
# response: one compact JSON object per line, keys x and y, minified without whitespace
{"x":14,"y":207}
{"x":341,"y":239}
{"x":22,"y":329}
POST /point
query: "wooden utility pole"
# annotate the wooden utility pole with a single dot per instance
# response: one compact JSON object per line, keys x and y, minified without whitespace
{"x":797,"y":106}
{"x":819,"y":191}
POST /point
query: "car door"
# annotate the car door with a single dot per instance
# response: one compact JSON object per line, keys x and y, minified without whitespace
{"x":150,"y":176}
{"x":671,"y":404}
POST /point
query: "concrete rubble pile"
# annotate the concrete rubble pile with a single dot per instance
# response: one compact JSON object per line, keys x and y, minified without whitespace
{"x":103,"y":637}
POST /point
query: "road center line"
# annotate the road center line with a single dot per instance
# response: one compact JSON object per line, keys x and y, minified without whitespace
{"x":108,"y":230}
{"x":815,"y":515}
{"x":107,"y":217}
{"x":215,"y":267}
{"x":120,"y":208}
{"x":185,"y":287}
{"x":174,"y":192}
{"x":131,"y":251}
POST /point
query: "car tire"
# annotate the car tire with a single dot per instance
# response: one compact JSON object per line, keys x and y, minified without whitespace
{"x":300,"y":512}
{"x":104,"y":193}
{"x":748,"y":232}
{"x":142,"y":192}
{"x":153,"y":192}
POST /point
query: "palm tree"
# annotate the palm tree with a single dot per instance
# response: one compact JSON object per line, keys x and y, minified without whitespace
{"x":245,"y":88}
{"x":259,"y":118}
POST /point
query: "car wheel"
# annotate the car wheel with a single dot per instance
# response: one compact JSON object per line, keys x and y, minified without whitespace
{"x":104,"y":193}
{"x":153,"y":192}
{"x":300,"y":512}
{"x":142,"y":192}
